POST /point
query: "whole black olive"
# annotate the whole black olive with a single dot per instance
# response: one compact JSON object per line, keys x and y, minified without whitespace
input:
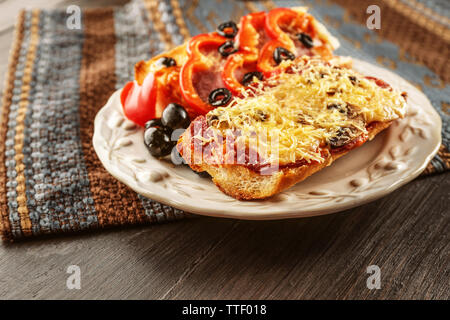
{"x":222,"y":29}
{"x":167,"y":62}
{"x":157,"y":142}
{"x":153,"y":123}
{"x":306,"y":40}
{"x":227,"y":48}
{"x":156,"y":123}
{"x":175,"y":116}
{"x":248,"y":77}
{"x":281,"y":54}
{"x":219,"y":97}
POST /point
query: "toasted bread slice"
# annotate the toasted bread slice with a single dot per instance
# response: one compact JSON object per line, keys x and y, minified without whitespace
{"x":242,"y":183}
{"x":315,"y":126}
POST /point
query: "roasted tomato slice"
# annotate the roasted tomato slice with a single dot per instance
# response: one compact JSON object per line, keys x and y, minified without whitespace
{"x":146,"y":101}
{"x":138,"y":101}
{"x":156,"y":86}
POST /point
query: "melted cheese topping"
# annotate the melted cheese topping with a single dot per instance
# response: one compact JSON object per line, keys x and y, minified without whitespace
{"x":291,"y":116}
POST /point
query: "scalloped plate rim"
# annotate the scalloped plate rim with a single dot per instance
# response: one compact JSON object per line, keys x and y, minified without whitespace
{"x":184,"y":204}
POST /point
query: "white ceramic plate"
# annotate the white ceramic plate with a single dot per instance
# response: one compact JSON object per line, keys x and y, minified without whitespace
{"x":393,"y":158}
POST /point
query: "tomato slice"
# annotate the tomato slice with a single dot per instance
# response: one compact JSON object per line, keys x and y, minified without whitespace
{"x":138,"y":102}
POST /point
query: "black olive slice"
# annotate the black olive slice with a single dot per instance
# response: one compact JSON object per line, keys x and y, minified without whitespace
{"x":248,"y":77}
{"x":212,"y":119}
{"x":227,"y":48}
{"x":353,"y":80}
{"x":339,"y":140}
{"x":281,"y":54}
{"x":167,"y":62}
{"x":350,"y":110}
{"x":336,"y":106}
{"x":261,"y":116}
{"x":222,"y":29}
{"x":342,"y":137}
{"x":306,"y":40}
{"x":219,"y":97}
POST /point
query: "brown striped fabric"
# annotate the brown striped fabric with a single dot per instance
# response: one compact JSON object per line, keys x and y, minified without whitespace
{"x":115,"y":203}
{"x":155,"y":16}
{"x":51,"y":180}
{"x":25,"y":222}
{"x":424,"y":39}
{"x":5,"y":227}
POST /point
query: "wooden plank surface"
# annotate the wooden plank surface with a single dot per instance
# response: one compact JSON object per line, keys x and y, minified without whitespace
{"x":406,"y":234}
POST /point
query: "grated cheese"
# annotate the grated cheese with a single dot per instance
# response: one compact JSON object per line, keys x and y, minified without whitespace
{"x":292,"y":115}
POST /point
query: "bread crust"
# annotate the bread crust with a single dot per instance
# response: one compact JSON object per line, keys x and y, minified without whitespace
{"x":243,"y":183}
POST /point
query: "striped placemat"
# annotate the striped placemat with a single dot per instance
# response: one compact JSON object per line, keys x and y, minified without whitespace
{"x":51,"y":180}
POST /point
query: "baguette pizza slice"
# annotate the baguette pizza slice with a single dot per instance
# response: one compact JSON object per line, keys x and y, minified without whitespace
{"x":285,"y":128}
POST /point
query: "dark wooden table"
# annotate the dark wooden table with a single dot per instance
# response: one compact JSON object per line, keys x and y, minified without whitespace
{"x":405,"y":234}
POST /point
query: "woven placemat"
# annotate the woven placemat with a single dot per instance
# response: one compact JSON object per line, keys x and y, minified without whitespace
{"x":51,"y":180}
